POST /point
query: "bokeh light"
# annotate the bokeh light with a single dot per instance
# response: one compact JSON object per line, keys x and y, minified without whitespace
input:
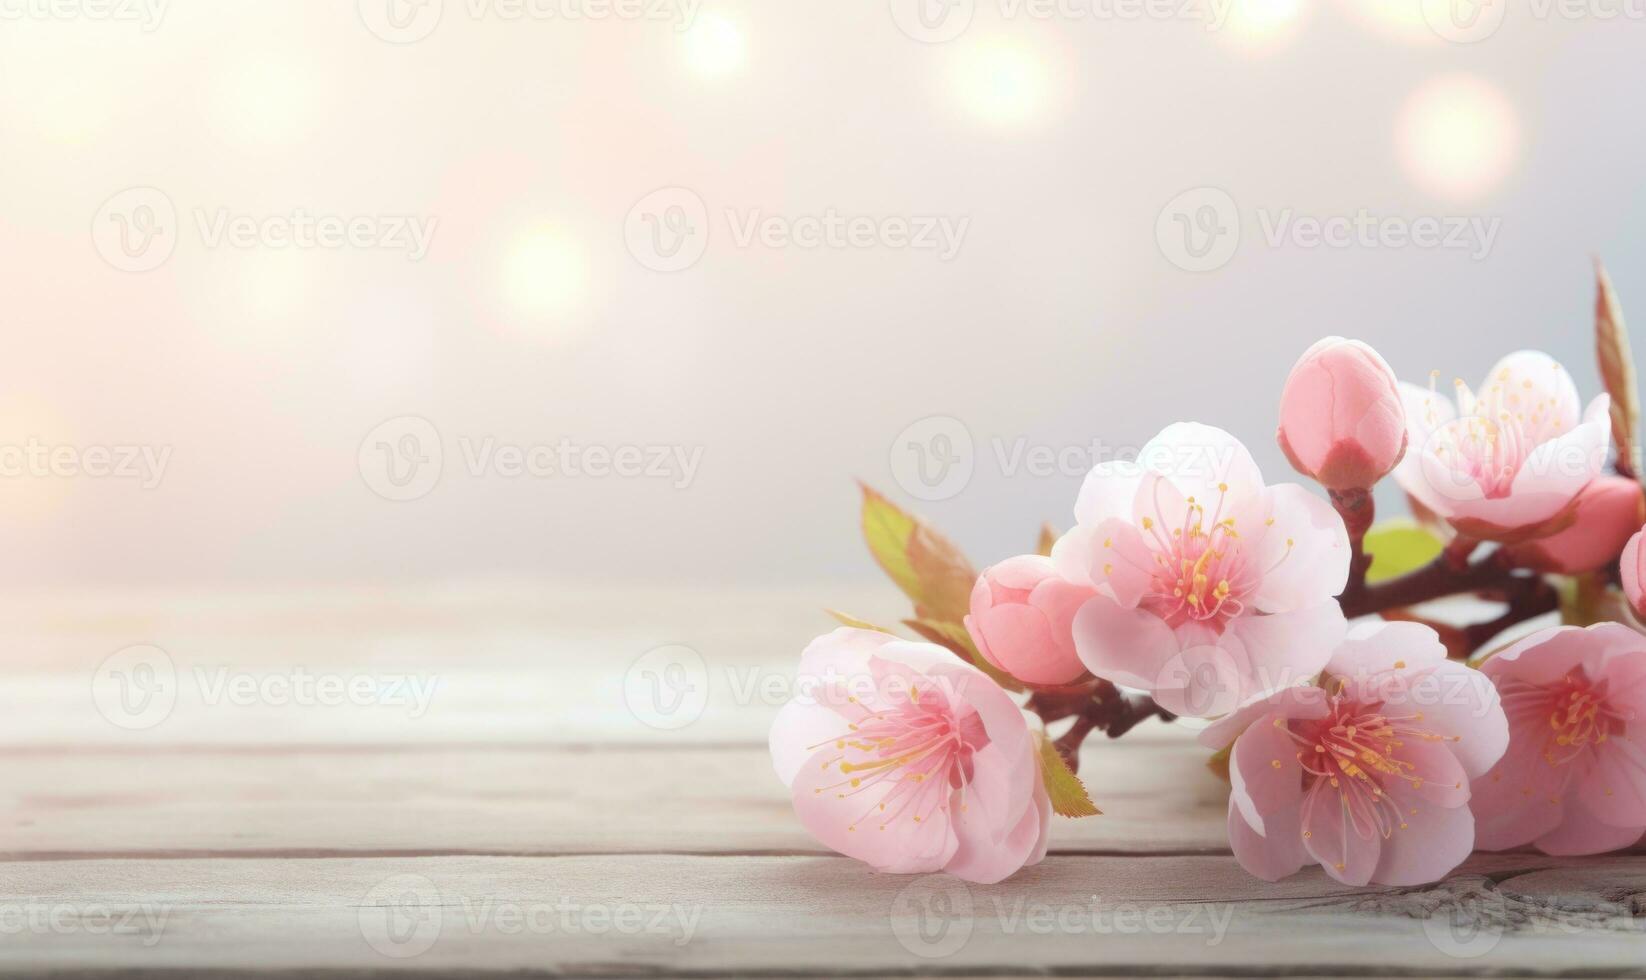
{"x":265,"y":101}
{"x":545,"y":284}
{"x":1260,"y":26}
{"x":1458,"y":138}
{"x":714,"y":46}
{"x":1002,"y":81}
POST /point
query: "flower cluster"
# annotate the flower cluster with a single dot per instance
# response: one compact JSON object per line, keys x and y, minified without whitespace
{"x":1359,"y":732}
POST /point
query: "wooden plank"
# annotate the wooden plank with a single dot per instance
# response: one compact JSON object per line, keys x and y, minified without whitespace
{"x":813,"y":916}
{"x":1157,"y":797}
{"x":527,"y":664}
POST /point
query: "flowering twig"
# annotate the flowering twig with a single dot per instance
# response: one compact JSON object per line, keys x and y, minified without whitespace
{"x":1450,"y":574}
{"x":1097,"y":706}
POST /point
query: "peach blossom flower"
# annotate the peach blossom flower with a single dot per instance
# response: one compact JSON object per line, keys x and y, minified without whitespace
{"x":1022,"y":616}
{"x":1574,"y":778}
{"x":1341,"y":418}
{"x":1213,"y":587}
{"x":1608,"y":511}
{"x":1506,"y":463}
{"x":1369,"y":775}
{"x":899,"y":755}
{"x":1632,"y":570}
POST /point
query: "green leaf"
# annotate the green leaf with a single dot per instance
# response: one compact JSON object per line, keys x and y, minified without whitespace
{"x":956,"y":638}
{"x":846,"y":619}
{"x":1398,"y":547}
{"x":943,"y":576}
{"x":923,"y":563}
{"x":1068,"y":793}
{"x":887,"y":530}
{"x":1617,"y":370}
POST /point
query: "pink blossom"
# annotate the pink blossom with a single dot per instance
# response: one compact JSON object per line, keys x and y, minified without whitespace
{"x":1212,"y":586}
{"x":1632,"y":570}
{"x":1506,"y":463}
{"x":1574,"y":778}
{"x":1608,"y":512}
{"x":901,"y":756}
{"x":1368,"y":775}
{"x":1341,"y":418}
{"x":1022,"y":616}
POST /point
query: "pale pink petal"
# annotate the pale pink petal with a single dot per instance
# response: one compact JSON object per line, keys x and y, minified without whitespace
{"x":1291,"y":647}
{"x":1294,"y":702}
{"x":1634,"y":588}
{"x":1042,"y":809}
{"x":1270,"y":856}
{"x":982,"y":858}
{"x":1125,"y":646}
{"x":1200,"y":460}
{"x":799,"y":731}
{"x":1122,"y":561}
{"x":1374,"y":647}
{"x":1429,"y":842}
{"x":1520,"y":799}
{"x":1542,"y":658}
{"x":1615,"y":789}
{"x":1330,"y":838}
{"x":1302,"y":551}
{"x":1264,"y":775}
{"x":1622,"y":662}
{"x":1010,"y":748}
{"x":1205,"y":680}
{"x":1438,"y":778}
{"x":1426,"y":412}
{"x":1530,"y":383}
{"x":850,"y":821}
{"x":1072,"y":554}
{"x":1459,"y":701}
{"x":1581,"y":831}
{"x":1108,"y":491}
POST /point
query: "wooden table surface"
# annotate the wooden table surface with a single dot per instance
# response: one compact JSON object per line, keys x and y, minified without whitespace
{"x":541,"y":781}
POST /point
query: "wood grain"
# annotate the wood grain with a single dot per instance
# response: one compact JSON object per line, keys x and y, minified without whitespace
{"x":1157,"y":797}
{"x":820,"y":916}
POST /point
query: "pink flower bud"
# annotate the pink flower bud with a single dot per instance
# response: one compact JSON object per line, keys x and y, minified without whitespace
{"x":1341,"y":419}
{"x":1022,"y":620}
{"x":1609,"y":510}
{"x":1633,"y":572}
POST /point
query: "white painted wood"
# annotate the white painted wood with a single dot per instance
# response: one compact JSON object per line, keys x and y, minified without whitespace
{"x":819,"y":916}
{"x":263,"y":831}
{"x":1157,"y":797}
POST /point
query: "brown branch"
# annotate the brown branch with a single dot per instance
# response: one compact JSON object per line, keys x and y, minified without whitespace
{"x":1105,"y":709}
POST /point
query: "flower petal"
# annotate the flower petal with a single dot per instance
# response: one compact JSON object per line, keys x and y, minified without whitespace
{"x":1329,"y":836}
{"x":1124,"y":646}
{"x":1429,"y":842}
{"x":1270,"y":856}
{"x":1302,"y":550}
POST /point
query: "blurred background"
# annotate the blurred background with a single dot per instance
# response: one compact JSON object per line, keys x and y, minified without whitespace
{"x":629,"y":291}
